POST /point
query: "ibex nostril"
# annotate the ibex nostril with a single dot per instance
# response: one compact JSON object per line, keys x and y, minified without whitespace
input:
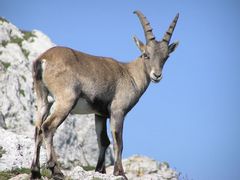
{"x":157,"y":75}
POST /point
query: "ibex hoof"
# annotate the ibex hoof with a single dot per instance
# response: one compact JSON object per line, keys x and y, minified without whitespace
{"x":102,"y":171}
{"x":51,"y":165}
{"x":35,"y":175}
{"x":124,"y":176}
{"x":120,"y":173}
{"x":58,"y":176}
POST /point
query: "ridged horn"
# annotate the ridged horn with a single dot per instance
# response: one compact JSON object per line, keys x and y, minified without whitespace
{"x":168,"y":34}
{"x":146,"y":26}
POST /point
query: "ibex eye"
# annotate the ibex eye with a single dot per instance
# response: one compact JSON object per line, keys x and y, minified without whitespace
{"x":146,"y":56}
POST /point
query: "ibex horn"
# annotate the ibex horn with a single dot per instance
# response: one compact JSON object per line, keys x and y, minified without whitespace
{"x":146,"y":26}
{"x":168,"y":34}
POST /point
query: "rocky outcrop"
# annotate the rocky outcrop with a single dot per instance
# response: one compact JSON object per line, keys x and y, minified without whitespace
{"x":17,"y":50}
{"x":79,"y":174}
{"x":17,"y":151}
{"x":76,"y":174}
{"x":142,"y":167}
{"x":136,"y":168}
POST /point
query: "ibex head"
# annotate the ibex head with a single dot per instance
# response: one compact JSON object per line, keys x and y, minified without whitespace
{"x":155,"y":53}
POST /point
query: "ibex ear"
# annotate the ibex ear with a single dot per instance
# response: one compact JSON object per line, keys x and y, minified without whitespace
{"x":172,"y":47}
{"x":139,"y":44}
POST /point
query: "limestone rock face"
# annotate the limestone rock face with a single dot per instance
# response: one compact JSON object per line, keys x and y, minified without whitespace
{"x":17,"y":151}
{"x":17,"y":50}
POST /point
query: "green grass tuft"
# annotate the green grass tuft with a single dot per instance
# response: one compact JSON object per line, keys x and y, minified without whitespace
{"x":166,"y":164}
{"x":21,"y":91}
{"x":24,"y":78}
{"x":88,"y":168}
{"x":96,"y":178}
{"x":16,"y":40}
{"x":2,"y":19}
{"x":25,"y":52}
{"x":5,"y":175}
{"x":5,"y":64}
{"x":4,"y":43}
{"x":46,"y":172}
{"x":28,"y":35}
{"x":2,"y":151}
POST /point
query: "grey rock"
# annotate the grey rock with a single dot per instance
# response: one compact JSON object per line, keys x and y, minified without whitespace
{"x":2,"y":121}
{"x":21,"y":177}
{"x":76,"y":174}
{"x":79,"y":174}
{"x":18,"y":151}
{"x":142,"y":167}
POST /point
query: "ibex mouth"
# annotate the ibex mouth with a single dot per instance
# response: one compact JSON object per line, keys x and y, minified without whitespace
{"x":155,"y":77}
{"x":156,"y":80}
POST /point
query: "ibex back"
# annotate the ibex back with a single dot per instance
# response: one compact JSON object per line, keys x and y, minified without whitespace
{"x":82,"y":83}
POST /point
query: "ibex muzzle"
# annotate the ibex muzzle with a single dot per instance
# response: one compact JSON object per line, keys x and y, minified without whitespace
{"x":82,"y":83}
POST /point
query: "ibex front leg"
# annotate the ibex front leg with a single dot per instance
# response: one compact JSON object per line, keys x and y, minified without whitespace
{"x":103,"y":142}
{"x":116,"y":121}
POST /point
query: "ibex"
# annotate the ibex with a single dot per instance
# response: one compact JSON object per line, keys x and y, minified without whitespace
{"x":82,"y":83}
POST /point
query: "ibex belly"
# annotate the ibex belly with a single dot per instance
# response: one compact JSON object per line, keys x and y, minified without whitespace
{"x":83,"y":107}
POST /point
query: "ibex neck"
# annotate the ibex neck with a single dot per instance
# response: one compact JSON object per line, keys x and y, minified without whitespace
{"x":137,"y":70}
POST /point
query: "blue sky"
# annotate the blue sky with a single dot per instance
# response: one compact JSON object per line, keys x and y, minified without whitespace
{"x":191,"y":119}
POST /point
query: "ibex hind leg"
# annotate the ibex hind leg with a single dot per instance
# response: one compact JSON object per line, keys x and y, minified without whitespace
{"x":43,"y":110}
{"x":49,"y":126}
{"x":35,"y":167}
